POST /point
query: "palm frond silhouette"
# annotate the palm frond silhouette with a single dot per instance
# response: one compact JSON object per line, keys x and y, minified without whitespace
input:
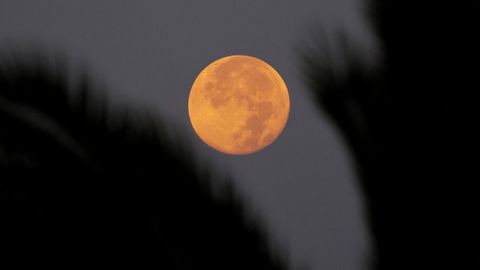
{"x":408,"y":122}
{"x":88,"y":184}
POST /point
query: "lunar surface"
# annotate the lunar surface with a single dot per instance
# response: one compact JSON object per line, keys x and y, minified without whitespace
{"x":238,"y":105}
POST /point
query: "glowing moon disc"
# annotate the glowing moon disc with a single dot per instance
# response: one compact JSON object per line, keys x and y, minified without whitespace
{"x":238,"y":104}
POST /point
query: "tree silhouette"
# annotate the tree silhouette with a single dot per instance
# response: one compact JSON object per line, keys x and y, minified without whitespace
{"x":409,"y":122}
{"x":86,"y":184}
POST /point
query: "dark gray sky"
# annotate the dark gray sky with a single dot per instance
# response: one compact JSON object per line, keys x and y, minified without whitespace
{"x":149,"y":53}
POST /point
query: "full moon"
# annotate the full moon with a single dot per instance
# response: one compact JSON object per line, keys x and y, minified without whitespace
{"x":238,"y":105}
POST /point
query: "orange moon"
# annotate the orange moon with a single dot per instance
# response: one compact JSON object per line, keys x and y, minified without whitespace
{"x":238,"y":105}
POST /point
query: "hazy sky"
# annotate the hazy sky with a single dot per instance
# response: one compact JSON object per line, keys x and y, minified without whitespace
{"x":148,"y":53}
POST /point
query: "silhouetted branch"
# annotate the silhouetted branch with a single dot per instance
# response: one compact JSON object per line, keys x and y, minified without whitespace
{"x":87,"y":183}
{"x":406,"y":122}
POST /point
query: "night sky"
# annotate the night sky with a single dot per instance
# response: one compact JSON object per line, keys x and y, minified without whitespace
{"x":148,"y":54}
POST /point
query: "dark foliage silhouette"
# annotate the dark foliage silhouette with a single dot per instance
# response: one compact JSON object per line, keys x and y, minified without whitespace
{"x":83,"y":184}
{"x":409,"y":122}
